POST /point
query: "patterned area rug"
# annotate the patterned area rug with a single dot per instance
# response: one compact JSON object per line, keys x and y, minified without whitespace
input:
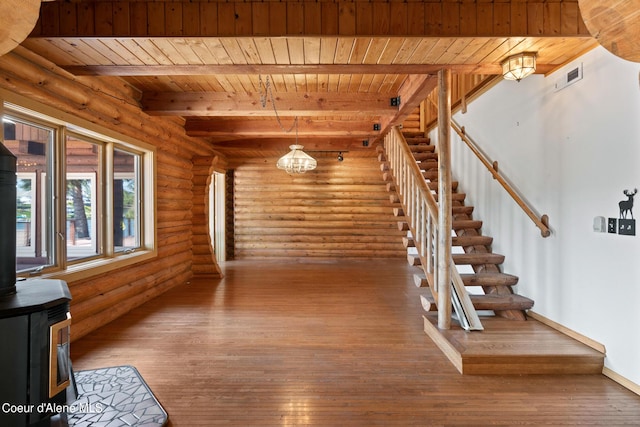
{"x":114,"y":397}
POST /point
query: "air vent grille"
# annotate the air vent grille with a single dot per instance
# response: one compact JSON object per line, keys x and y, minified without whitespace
{"x":572,"y":76}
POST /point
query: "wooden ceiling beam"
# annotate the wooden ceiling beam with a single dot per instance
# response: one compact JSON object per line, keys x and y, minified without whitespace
{"x":151,"y":18}
{"x":311,"y":128}
{"x":266,"y":69}
{"x":280,"y":146}
{"x":413,"y":91}
{"x":250,"y":104}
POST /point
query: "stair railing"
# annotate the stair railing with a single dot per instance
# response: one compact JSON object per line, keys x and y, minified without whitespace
{"x":421,"y":210}
{"x":542,"y":222}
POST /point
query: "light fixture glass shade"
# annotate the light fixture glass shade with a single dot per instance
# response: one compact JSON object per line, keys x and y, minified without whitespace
{"x":296,"y":160}
{"x":517,"y":67}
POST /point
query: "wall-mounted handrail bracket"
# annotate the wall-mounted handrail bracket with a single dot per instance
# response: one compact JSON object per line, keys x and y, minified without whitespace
{"x":545,"y":220}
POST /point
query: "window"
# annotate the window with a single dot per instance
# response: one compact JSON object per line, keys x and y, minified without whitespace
{"x":83,"y":160}
{"x":32,"y":144}
{"x":126,"y":198}
{"x":85,"y":200}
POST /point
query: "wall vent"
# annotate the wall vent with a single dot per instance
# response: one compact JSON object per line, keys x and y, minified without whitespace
{"x":570,"y":77}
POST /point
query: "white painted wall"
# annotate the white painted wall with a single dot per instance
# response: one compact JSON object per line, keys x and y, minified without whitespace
{"x":571,"y":153}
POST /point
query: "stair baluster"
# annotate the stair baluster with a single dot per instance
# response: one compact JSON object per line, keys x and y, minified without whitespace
{"x":421,"y":210}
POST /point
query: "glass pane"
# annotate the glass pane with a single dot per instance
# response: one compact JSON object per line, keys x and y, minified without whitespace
{"x":81,"y":207}
{"x":126,"y":215}
{"x":31,"y":144}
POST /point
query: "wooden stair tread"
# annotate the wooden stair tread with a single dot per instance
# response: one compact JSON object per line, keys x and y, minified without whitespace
{"x":433,"y":185}
{"x":430,"y":175}
{"x":459,"y":210}
{"x":501,"y":302}
{"x":477,"y":258}
{"x":489,"y":279}
{"x":408,"y":242}
{"x":454,"y":196}
{"x":420,"y":280}
{"x":426,"y":165}
{"x":412,"y":134}
{"x":413,"y":259}
{"x":466,"y":223}
{"x":463,"y":259}
{"x":486,"y":302}
{"x":475,"y":279}
{"x":512,"y":347}
{"x":471,"y":240}
{"x":425,"y":155}
{"x":422,"y":148}
{"x":415,"y":140}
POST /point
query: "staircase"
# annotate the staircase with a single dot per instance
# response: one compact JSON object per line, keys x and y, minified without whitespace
{"x":471,"y":249}
{"x":504,"y":345}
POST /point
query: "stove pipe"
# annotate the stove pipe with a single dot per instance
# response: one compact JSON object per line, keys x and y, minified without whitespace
{"x":7,"y":222}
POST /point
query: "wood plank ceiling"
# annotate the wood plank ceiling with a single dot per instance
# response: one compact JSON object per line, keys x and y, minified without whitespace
{"x":333,"y":64}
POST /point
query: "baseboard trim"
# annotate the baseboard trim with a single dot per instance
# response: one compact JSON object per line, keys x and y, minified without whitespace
{"x":624,"y":382}
{"x":614,"y":376}
{"x":569,"y":332}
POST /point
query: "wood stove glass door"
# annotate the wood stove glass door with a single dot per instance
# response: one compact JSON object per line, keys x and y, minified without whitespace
{"x":59,"y":356}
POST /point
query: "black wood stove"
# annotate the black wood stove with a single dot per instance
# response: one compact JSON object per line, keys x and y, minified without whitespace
{"x":35,"y":364}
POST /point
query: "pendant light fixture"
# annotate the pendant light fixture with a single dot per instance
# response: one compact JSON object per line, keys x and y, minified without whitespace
{"x":295,"y":161}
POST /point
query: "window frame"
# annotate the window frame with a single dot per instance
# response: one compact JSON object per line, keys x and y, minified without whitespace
{"x":139,"y":208}
{"x":65,"y":124}
{"x":32,"y":177}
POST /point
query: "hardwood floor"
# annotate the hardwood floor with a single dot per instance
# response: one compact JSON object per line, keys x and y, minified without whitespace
{"x":325,"y":343}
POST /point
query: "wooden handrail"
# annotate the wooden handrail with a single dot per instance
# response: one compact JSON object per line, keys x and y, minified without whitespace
{"x":421,"y":210}
{"x":542,"y":222}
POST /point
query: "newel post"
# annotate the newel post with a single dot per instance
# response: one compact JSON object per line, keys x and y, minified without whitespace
{"x":444,"y":199}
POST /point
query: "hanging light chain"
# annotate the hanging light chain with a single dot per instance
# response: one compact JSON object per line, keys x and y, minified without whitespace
{"x":263,"y":101}
{"x":296,"y":161}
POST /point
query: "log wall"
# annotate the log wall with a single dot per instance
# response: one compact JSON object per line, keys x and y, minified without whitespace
{"x":111,"y":104}
{"x":341,"y":209}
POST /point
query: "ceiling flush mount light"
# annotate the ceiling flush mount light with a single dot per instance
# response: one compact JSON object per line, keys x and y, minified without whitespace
{"x":517,"y":67}
{"x":296,"y":160}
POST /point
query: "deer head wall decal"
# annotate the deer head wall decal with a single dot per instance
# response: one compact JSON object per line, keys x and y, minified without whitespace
{"x":626,"y":206}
